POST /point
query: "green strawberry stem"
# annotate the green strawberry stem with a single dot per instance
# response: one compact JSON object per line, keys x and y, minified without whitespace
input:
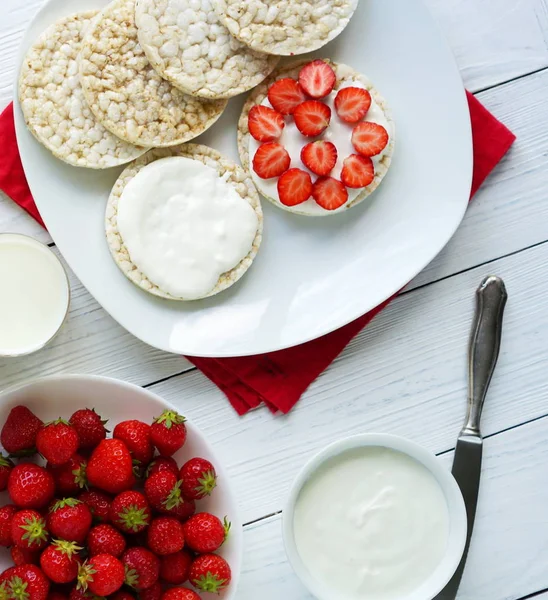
{"x":208,"y":482}
{"x":169,"y":418}
{"x":35,"y":531}
{"x":210,"y":583}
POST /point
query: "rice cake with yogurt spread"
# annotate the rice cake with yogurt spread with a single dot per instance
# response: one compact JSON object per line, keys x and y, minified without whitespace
{"x":206,"y":210}
{"x":285,"y":27}
{"x":127,"y":95}
{"x":53,"y":102}
{"x":187,"y":45}
{"x":338,"y":132}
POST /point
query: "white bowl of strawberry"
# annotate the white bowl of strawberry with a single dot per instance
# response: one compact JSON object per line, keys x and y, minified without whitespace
{"x":141,"y":511}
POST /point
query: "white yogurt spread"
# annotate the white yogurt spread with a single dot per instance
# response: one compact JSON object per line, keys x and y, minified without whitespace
{"x":184,"y":226}
{"x":372,"y":524}
{"x":338,"y":132}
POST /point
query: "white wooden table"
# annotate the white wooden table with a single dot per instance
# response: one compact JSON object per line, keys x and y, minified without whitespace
{"x":406,"y":373}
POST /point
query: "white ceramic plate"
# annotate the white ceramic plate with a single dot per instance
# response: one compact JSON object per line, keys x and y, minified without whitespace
{"x":311,"y":276}
{"x":52,"y":397}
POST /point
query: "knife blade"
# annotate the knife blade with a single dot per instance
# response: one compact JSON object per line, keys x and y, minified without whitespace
{"x":483,"y":352}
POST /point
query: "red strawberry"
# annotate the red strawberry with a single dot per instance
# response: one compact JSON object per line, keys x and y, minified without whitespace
{"x":121,"y":595}
{"x":162,"y":463}
{"x":6,"y":517}
{"x":136,"y":436}
{"x":329,"y":193}
{"x":110,"y":467}
{"x":352,"y":104}
{"x":294,"y":187}
{"x":210,"y":573}
{"x":174,"y":568}
{"x":142,"y":567}
{"x":18,"y":436}
{"x":168,"y":432}
{"x":28,"y":530}
{"x":163,"y":492}
{"x":89,"y":426}
{"x":6,"y":465}
{"x":165,"y":536}
{"x":79,"y":594}
{"x":285,"y":95}
{"x":104,"y":539}
{"x":271,"y":160}
{"x":23,"y":556}
{"x":130,"y":512}
{"x":205,"y":532}
{"x":180,"y":593}
{"x":70,"y":477}
{"x":30,"y":486}
{"x":57,"y":442}
{"x":369,"y":139}
{"x":69,"y":519}
{"x":317,"y":78}
{"x":60,"y":561}
{"x":98,"y":503}
{"x":264,"y":123}
{"x":320,"y":157}
{"x":101,"y":575}
{"x":154,"y":592}
{"x":358,"y":171}
{"x":312,"y":117}
{"x":25,"y":582}
{"x":199,"y":478}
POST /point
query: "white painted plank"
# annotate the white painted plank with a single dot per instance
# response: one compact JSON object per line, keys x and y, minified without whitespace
{"x":508,"y":552}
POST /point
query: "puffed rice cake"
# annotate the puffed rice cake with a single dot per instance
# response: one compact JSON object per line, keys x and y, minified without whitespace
{"x":345,"y":74}
{"x":53,"y":102}
{"x":233,"y":173}
{"x":187,"y":45}
{"x":127,"y":95}
{"x":285,"y":27}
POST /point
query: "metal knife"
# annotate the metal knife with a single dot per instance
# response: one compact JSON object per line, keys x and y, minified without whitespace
{"x":483,"y":353}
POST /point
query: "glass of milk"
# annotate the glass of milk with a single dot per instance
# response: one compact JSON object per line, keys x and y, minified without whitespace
{"x":34,"y":295}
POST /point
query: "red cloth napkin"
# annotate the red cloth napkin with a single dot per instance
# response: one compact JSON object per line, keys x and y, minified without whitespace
{"x":277,"y":379}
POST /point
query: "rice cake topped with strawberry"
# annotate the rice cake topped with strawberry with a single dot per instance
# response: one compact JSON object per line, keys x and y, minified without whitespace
{"x":317,"y":137}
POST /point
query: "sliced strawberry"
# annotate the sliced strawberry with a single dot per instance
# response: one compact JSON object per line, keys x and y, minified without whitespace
{"x":264,"y":123}
{"x":358,"y":171}
{"x":317,"y":78}
{"x":271,"y":160}
{"x":285,"y":95}
{"x":352,"y":104}
{"x":369,"y":138}
{"x":294,"y":187}
{"x":320,"y":157}
{"x":312,"y":117}
{"x":329,"y":193}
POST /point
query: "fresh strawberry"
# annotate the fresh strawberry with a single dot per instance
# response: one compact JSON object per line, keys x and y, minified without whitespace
{"x":205,"y":533}
{"x":60,"y":561}
{"x":317,"y":78}
{"x":319,"y":156}
{"x":358,"y":171}
{"x":180,"y":593}
{"x":18,"y":436}
{"x":25,"y":582}
{"x":142,"y":567}
{"x":69,"y":519}
{"x":78,"y":594}
{"x":285,"y":95}
{"x":110,"y":467}
{"x":352,"y":104}
{"x":264,"y":123}
{"x":90,"y":428}
{"x":6,"y":465}
{"x":163,"y":492}
{"x":136,"y":436}
{"x":70,"y":478}
{"x":199,"y":478}
{"x":168,"y":432}
{"x":329,"y":193}
{"x":174,"y":568}
{"x":28,"y":530}
{"x":162,"y":463}
{"x":7,"y":513}
{"x":210,"y":573}
{"x":24,"y":556}
{"x":30,"y":486}
{"x":294,"y":187}
{"x":121,"y":595}
{"x":101,"y":575}
{"x":57,"y":442}
{"x":312,"y":117}
{"x":271,"y":160}
{"x":130,"y":512}
{"x":98,"y":503}
{"x":369,"y":138}
{"x":154,"y":592}
{"x":105,"y":539}
{"x":165,"y":536}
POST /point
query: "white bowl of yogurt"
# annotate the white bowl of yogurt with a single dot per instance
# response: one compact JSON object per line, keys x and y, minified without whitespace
{"x":374,"y":517}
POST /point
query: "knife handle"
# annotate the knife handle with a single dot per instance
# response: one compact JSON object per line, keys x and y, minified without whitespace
{"x":484,"y":347}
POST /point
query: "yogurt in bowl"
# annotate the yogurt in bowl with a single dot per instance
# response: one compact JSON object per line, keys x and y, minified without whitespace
{"x":374,"y":517}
